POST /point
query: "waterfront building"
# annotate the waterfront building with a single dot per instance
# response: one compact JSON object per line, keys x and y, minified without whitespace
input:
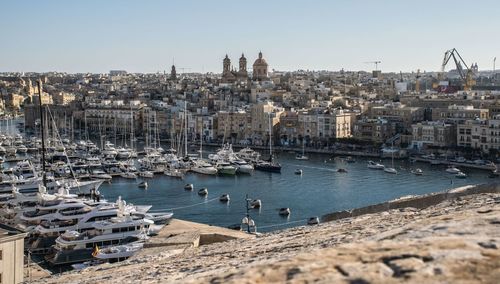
{"x":233,"y":126}
{"x":11,"y":254}
{"x":433,"y":133}
{"x":459,"y":113}
{"x":399,"y":113}
{"x":480,"y":134}
{"x":375,"y":130}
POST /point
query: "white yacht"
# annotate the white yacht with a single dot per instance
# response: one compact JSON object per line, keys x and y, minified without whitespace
{"x":242,"y":166}
{"x":202,"y":167}
{"x":452,"y":170}
{"x":73,"y":247}
{"x":119,"y":252}
{"x":128,"y":175}
{"x":375,"y":166}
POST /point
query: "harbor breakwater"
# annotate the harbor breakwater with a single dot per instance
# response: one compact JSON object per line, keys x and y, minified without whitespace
{"x":450,"y":236}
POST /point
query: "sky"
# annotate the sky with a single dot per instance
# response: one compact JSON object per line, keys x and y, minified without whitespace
{"x":148,"y":36}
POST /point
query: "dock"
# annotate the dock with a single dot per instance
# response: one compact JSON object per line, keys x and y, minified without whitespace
{"x":180,"y":235}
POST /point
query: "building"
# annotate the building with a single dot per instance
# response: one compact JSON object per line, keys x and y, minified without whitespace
{"x":173,"y":74}
{"x":264,"y":116}
{"x":63,"y":98}
{"x":260,"y":69}
{"x":433,"y":133}
{"x":376,"y":130}
{"x":459,"y":113}
{"x":480,"y":134}
{"x":398,"y":113}
{"x":233,"y":126}
{"x":11,"y":254}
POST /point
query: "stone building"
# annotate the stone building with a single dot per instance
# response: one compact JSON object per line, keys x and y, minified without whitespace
{"x":233,"y":126}
{"x":459,"y":113}
{"x":11,"y":254}
{"x":260,"y":69}
{"x":229,"y":75}
{"x":433,"y":133}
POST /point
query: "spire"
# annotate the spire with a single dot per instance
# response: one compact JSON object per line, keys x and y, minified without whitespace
{"x":260,"y":54}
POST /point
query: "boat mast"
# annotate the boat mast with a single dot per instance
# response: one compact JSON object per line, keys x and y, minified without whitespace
{"x":270,"y":139}
{"x":44,"y":178}
{"x":185,"y":129}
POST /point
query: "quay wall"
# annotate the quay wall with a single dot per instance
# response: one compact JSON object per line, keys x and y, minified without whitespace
{"x":419,"y":202}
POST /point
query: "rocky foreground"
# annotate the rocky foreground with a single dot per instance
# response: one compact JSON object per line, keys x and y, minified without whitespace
{"x":455,"y":240}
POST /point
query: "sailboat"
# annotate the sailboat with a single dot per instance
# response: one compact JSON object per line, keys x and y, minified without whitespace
{"x":269,"y":165}
{"x":391,"y":170}
{"x":302,"y":156}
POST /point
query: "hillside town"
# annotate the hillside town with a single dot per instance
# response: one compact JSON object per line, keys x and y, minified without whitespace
{"x":455,"y":112}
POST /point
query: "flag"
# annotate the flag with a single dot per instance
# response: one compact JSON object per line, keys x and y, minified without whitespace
{"x":96,"y":251}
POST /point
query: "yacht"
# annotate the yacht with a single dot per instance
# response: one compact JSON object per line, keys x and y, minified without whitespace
{"x":174,"y":173}
{"x":268,"y":166}
{"x":460,"y":175}
{"x":225,"y":168}
{"x":73,"y":247}
{"x":146,"y":174}
{"x":375,"y":166}
{"x":242,"y":166}
{"x":100,"y":174}
{"x":248,"y":155}
{"x":453,"y":170}
{"x":390,"y":170}
{"x":128,"y":175}
{"x":119,"y":252}
{"x":301,"y":157}
{"x":202,"y":167}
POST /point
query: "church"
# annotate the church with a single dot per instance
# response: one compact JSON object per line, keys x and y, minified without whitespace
{"x":260,"y":70}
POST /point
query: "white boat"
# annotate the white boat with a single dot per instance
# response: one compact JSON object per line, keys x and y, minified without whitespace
{"x":298,"y":172}
{"x":202,"y":167}
{"x":453,"y":170}
{"x":390,"y":170}
{"x":461,"y":175}
{"x":301,"y":157}
{"x":118,"y":253}
{"x":129,"y":175}
{"x":143,"y":185}
{"x":284,"y":211}
{"x":242,"y":166}
{"x":418,"y":172}
{"x":73,"y":247}
{"x":146,"y":174}
{"x":174,"y":173}
{"x":375,"y":166}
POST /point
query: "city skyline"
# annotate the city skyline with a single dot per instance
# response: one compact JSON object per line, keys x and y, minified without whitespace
{"x":95,"y":36}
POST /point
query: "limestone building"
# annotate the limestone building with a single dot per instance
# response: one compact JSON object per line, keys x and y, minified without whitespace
{"x":11,"y":255}
{"x":260,"y":69}
{"x":229,"y":75}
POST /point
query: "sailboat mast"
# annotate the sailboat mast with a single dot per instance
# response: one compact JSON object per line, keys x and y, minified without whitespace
{"x":185,"y":129}
{"x":44,"y":178}
{"x":270,"y":139}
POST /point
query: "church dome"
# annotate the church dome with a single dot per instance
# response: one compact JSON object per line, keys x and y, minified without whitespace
{"x":260,"y":61}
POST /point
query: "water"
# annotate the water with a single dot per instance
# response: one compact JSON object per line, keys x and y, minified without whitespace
{"x":318,"y":191}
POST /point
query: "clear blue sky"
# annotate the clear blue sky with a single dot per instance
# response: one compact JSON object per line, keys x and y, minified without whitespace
{"x":144,"y":36}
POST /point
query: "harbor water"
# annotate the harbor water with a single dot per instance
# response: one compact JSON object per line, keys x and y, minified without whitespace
{"x":319,"y":190}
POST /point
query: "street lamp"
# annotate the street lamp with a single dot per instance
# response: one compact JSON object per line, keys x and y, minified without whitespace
{"x":247,"y":220}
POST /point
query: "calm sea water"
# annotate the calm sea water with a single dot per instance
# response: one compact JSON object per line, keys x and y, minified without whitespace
{"x":320,"y":190}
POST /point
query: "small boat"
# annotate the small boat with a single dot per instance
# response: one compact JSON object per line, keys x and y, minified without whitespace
{"x":203,"y":191}
{"x":350,"y":160}
{"x":143,"y":185}
{"x":301,"y":157}
{"x":390,"y":170}
{"x":224,"y":198}
{"x":174,"y":173}
{"x":118,"y":253}
{"x":453,"y":170}
{"x":285,"y":211}
{"x":256,"y":203}
{"x":418,"y":172}
{"x":313,"y":221}
{"x":146,"y":174}
{"x":189,"y":186}
{"x":460,"y":175}
{"x":375,"y":166}
{"x":129,"y":175}
{"x":298,"y":172}
{"x":341,"y":170}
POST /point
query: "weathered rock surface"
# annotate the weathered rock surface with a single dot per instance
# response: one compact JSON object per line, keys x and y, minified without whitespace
{"x":454,"y":241}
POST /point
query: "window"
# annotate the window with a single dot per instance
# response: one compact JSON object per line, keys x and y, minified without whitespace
{"x":1,"y":257}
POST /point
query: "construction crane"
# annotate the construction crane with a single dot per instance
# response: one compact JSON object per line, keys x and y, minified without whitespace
{"x":374,"y":62}
{"x":467,"y":75}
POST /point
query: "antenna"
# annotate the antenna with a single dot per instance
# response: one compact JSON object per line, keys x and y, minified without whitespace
{"x":494,"y":61}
